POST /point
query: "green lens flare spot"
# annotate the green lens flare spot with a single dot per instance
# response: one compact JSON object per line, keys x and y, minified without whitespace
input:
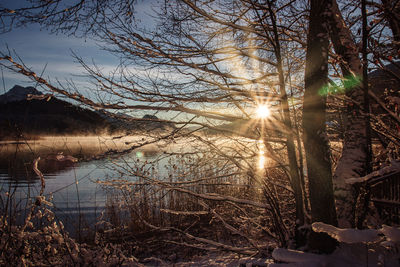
{"x":344,"y":85}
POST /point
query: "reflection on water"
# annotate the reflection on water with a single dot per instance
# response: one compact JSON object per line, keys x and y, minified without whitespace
{"x":261,"y":161}
{"x":72,"y":184}
{"x":16,"y":157}
{"x":261,"y":155}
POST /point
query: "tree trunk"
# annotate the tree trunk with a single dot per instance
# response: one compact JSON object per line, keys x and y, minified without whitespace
{"x":314,"y":124}
{"x":314,"y":121}
{"x":353,"y":161}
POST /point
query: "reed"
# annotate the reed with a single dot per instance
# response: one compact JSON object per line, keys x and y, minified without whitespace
{"x":182,"y":203}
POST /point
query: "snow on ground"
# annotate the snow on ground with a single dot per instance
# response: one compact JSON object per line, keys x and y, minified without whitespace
{"x":357,"y":248}
{"x":347,"y":235}
{"x":228,"y":259}
{"x":369,"y":247}
{"x":346,"y":255}
{"x":391,"y":233}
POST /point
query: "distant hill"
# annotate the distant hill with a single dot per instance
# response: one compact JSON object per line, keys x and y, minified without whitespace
{"x":146,"y":123}
{"x":18,"y":93}
{"x":18,"y":115}
{"x":48,"y":116}
{"x":384,"y":83}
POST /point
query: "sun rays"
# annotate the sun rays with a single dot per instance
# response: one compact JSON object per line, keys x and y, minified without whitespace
{"x":263,"y":111}
{"x":258,"y":105}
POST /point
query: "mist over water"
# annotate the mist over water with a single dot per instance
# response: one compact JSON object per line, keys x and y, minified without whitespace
{"x":80,"y":188}
{"x":73,"y":185}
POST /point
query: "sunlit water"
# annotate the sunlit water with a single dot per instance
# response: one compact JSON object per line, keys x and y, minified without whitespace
{"x":78,"y":198}
{"x":73,"y":186}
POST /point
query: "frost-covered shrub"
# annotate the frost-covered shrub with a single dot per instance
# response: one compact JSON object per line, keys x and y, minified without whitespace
{"x":42,"y":241}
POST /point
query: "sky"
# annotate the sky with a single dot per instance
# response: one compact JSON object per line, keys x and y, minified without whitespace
{"x":42,"y":51}
{"x":50,"y":53}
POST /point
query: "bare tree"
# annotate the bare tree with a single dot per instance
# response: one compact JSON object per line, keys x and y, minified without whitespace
{"x":204,"y":57}
{"x":314,"y":121}
{"x":205,"y":68}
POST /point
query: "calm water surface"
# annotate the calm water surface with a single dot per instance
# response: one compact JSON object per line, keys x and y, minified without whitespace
{"x":77,"y":196}
{"x":73,"y":185}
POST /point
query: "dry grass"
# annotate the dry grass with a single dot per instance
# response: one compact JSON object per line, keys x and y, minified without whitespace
{"x":202,"y":201}
{"x":200,"y":206}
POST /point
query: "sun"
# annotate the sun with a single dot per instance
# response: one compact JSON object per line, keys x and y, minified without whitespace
{"x":263,"y":112}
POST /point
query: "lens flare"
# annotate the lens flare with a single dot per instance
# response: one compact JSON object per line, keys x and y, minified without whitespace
{"x":263,"y":112}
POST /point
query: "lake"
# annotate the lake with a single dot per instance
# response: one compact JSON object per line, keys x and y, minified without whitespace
{"x":78,"y":198}
{"x":73,"y":185}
